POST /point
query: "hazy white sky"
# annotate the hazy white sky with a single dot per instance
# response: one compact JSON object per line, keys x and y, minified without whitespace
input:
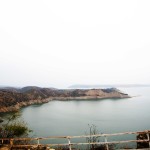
{"x":63,"y":42}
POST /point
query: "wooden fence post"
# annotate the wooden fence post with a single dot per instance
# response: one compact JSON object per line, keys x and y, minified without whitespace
{"x":148,"y":139}
{"x":106,"y":143}
{"x":69,"y":143}
{"x":11,"y":143}
{"x":38,"y":141}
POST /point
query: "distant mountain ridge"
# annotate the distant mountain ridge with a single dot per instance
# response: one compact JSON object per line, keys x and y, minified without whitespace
{"x":108,"y":85}
{"x":12,"y":99}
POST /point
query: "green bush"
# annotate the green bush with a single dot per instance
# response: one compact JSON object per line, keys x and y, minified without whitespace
{"x":14,"y":127}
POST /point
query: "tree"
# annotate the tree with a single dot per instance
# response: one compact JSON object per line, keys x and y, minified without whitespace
{"x":95,"y":139}
{"x":14,"y":127}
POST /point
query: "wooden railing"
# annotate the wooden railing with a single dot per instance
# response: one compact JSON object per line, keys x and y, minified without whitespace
{"x":12,"y":141}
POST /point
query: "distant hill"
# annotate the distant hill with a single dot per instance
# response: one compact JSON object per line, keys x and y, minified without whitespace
{"x":14,"y":89}
{"x":12,"y":99}
{"x":28,"y":88}
{"x":107,"y":86}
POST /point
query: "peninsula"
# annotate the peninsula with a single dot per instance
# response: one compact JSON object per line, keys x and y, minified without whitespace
{"x":12,"y":99}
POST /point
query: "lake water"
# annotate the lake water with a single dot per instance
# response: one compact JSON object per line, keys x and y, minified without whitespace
{"x":108,"y":115}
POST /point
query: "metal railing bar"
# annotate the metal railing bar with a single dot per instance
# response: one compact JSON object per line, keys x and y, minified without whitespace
{"x":69,"y":144}
{"x":92,"y":143}
{"x":82,"y":136}
{"x":135,"y":149}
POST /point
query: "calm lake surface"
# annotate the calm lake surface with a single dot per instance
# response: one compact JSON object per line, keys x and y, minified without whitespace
{"x":73,"y":117}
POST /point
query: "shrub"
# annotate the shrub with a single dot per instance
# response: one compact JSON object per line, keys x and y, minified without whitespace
{"x":13,"y":127}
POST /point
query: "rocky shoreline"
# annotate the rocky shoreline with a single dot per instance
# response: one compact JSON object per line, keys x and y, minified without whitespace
{"x":18,"y":106}
{"x":13,"y":99}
